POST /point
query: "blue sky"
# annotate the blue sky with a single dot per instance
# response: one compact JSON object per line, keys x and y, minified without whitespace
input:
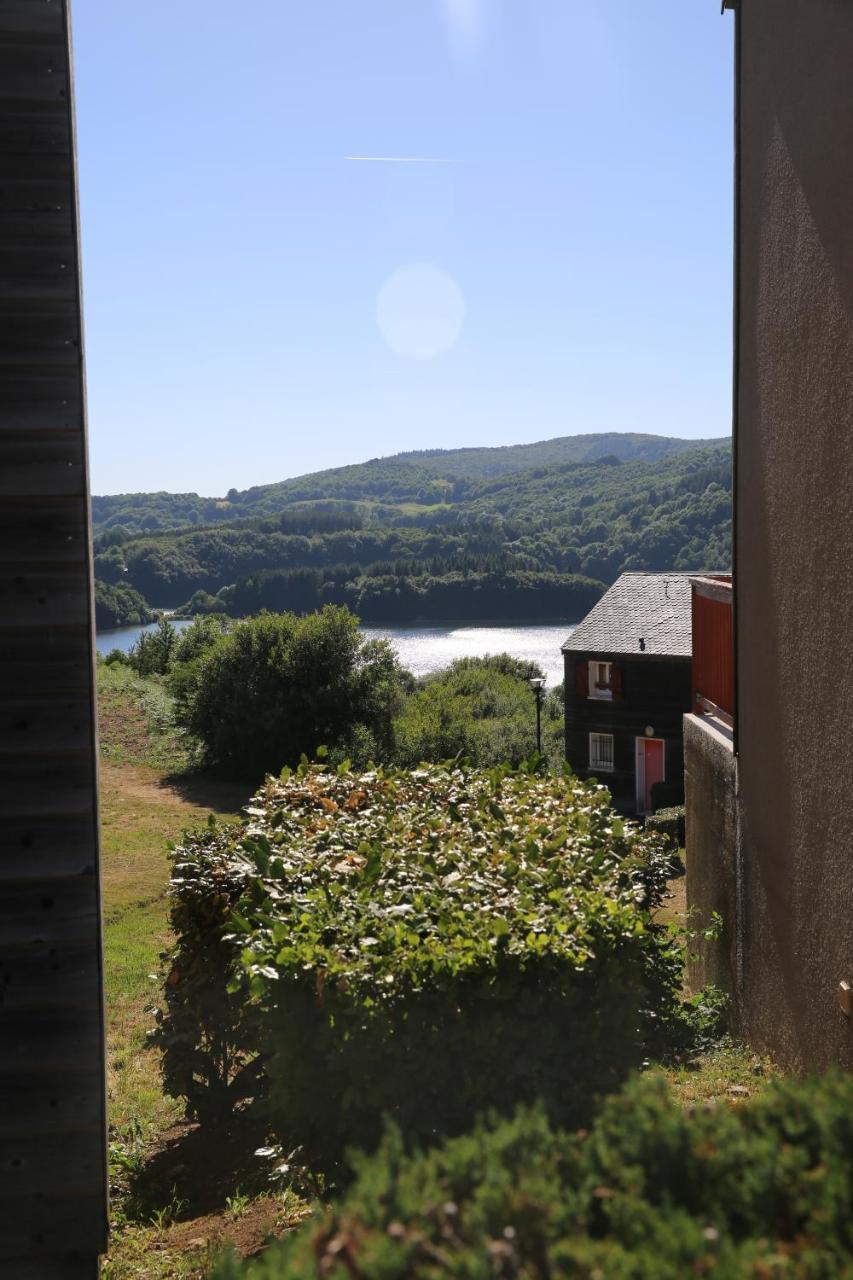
{"x":258,"y":305}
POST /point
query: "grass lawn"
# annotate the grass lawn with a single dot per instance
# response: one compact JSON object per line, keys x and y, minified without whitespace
{"x":170,"y":1214}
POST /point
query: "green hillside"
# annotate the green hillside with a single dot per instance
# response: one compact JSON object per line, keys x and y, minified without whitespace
{"x":423,"y":476}
{"x":397,"y":541}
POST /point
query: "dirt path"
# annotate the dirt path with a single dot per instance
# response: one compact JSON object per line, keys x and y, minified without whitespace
{"x":140,"y":782}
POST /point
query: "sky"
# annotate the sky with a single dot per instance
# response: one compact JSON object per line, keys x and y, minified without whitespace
{"x":320,"y":231}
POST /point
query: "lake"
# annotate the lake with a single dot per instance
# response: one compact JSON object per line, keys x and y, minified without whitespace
{"x":426,"y":649}
{"x":124,"y":638}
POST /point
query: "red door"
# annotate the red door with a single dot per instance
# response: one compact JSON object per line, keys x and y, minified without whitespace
{"x":653,"y":771}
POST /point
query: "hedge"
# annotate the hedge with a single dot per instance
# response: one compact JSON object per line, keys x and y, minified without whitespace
{"x":667,"y":795}
{"x":208,"y":1035}
{"x":669,"y":823}
{"x":424,"y":945}
{"x":651,"y":1192}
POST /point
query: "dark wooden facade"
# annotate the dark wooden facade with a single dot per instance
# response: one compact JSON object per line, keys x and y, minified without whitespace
{"x":52,"y":1110}
{"x":649,"y":693}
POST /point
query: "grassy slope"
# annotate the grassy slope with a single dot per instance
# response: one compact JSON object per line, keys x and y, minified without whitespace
{"x":147,"y":800}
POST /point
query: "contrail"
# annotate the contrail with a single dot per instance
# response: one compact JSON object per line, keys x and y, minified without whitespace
{"x":398,"y":159}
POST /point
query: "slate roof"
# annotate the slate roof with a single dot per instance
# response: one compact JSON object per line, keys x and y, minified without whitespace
{"x":652,"y":607}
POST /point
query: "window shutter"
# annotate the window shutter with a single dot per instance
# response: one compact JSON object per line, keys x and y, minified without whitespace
{"x":582,"y":679}
{"x":616,"y":681}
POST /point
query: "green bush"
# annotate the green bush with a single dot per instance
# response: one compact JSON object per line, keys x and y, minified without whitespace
{"x":119,"y":605}
{"x":207,"y":1035}
{"x":481,"y":709}
{"x":667,"y":795}
{"x":651,"y":1192}
{"x":428,"y":944}
{"x":153,"y":653}
{"x":670,"y":824}
{"x":278,"y":686}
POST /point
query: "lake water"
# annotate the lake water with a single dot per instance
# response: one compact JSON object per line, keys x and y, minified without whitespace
{"x":426,"y":649}
{"x":125,"y":637}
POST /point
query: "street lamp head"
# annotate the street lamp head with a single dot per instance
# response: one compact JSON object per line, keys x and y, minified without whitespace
{"x":537,"y":683}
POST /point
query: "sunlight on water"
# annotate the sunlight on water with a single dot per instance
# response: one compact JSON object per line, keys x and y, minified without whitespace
{"x":426,"y":649}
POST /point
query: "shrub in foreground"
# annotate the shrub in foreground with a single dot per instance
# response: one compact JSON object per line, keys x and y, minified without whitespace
{"x":426,"y":945}
{"x":651,"y":1192}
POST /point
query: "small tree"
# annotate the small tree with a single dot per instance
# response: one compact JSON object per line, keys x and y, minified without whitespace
{"x":278,"y":686}
{"x":153,"y":652}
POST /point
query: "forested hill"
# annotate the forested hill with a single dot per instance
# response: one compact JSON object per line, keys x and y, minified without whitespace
{"x":424,"y":477}
{"x":534,"y":543}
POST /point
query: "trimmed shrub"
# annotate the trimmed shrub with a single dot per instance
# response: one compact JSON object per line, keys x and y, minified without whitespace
{"x":207,"y":1035}
{"x":652,"y":1192}
{"x":428,"y":944}
{"x":667,"y":795}
{"x":669,"y":823}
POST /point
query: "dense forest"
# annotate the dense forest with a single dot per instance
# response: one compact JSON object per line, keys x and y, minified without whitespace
{"x":415,"y":537}
{"x":422,"y":477}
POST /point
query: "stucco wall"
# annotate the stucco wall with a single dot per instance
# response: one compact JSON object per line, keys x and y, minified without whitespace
{"x":710,"y":783}
{"x":794,"y":521}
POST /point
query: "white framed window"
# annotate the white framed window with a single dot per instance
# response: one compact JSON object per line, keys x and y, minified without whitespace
{"x":600,"y":680}
{"x":601,"y":752}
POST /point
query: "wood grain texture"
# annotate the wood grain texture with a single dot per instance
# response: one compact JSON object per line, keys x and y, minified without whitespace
{"x":32,"y":18}
{"x":52,"y":1097}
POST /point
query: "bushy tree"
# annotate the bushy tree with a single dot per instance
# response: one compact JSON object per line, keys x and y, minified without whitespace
{"x":481,"y":709}
{"x":119,"y":605}
{"x":154,"y":651}
{"x":278,"y":686}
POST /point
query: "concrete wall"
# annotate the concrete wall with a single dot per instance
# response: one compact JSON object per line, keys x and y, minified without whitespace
{"x":794,"y":521}
{"x":710,"y":783}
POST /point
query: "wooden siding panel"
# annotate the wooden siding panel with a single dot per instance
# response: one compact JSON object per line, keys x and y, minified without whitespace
{"x":52,"y":1104}
{"x":35,"y":1043}
{"x":42,"y":272}
{"x":43,"y":664}
{"x":49,"y":977}
{"x":713,"y":651}
{"x":39,"y":848}
{"x":55,"y":726}
{"x":33,"y":72}
{"x":57,"y":912}
{"x":32,"y":18}
{"x":42,"y":529}
{"x":34,"y":597}
{"x":57,"y":1224}
{"x":44,"y":467}
{"x":38,"y":1163}
{"x":46,"y":785}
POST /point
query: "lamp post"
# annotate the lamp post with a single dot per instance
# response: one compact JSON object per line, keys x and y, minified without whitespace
{"x":537,"y":684}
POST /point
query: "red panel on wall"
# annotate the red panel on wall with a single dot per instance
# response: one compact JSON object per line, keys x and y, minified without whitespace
{"x":713,"y":652}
